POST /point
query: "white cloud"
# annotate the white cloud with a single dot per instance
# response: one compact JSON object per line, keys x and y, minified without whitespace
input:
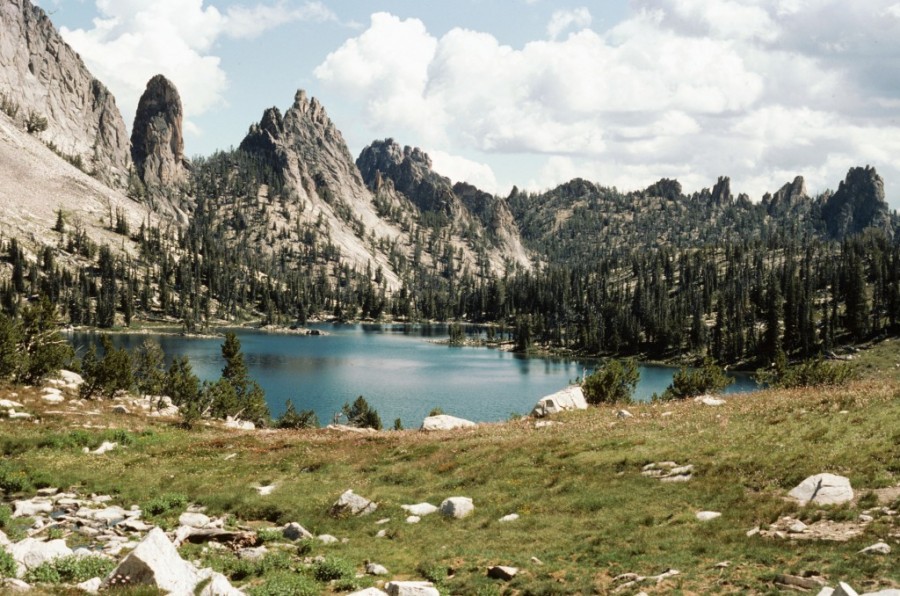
{"x":561,"y":20}
{"x":692,"y":89}
{"x":461,"y":169}
{"x":133,"y":40}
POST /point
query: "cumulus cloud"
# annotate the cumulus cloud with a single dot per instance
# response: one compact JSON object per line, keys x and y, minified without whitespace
{"x":562,"y":20}
{"x":133,"y":40}
{"x":459,"y":168}
{"x":761,"y":90}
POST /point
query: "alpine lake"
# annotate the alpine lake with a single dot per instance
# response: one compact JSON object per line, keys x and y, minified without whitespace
{"x":401,"y":370}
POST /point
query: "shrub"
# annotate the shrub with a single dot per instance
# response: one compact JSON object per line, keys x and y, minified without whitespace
{"x":164,"y":503}
{"x":286,"y":584}
{"x":613,"y":383}
{"x":5,"y":515}
{"x":361,"y":415}
{"x":333,"y":568}
{"x":294,"y":419}
{"x":35,"y":123}
{"x":108,"y":375}
{"x":14,"y":480}
{"x":709,"y":378}
{"x":809,"y":373}
{"x":7,"y":564}
{"x":71,"y":569}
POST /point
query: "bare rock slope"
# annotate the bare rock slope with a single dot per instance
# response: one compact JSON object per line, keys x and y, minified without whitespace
{"x":42,"y":77}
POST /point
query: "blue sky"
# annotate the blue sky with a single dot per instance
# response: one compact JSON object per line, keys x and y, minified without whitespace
{"x":533,"y":92}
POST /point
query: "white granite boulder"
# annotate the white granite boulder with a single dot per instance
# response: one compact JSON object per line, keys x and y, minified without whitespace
{"x":445,"y":422}
{"x":419,"y":509}
{"x":570,"y":398}
{"x":31,"y":553}
{"x":411,"y":589}
{"x":350,"y":503}
{"x":457,"y":507}
{"x":823,"y":489}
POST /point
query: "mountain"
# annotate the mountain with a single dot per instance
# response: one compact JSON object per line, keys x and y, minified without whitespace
{"x":45,"y":87}
{"x":858,"y":204}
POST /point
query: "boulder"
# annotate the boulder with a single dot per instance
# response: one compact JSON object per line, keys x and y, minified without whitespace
{"x":218,"y":585}
{"x":30,"y":553}
{"x":445,"y":422}
{"x":503,"y":573}
{"x":368,"y":592}
{"x":705,"y":516}
{"x":327,"y":539}
{"x":419,"y":509}
{"x":7,"y":404}
{"x":624,"y":415}
{"x":264,"y":491}
{"x":294,"y":531}
{"x":91,"y":586}
{"x":352,"y":504}
{"x":509,"y":518}
{"x":105,"y":447}
{"x":844,"y":590}
{"x":193,"y":519}
{"x":879,"y":548}
{"x":413,"y":519}
{"x":71,"y":379}
{"x":457,"y":507}
{"x":411,"y":589}
{"x":4,"y":540}
{"x":52,"y":395}
{"x":376,"y":569}
{"x":120,"y":409}
{"x":31,"y":507}
{"x":239,"y":424}
{"x":156,"y":562}
{"x":709,"y":400}
{"x":823,"y":489}
{"x":13,"y":585}
{"x":570,"y":398}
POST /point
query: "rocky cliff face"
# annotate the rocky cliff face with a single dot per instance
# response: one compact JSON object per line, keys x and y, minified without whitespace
{"x":787,"y":198}
{"x":409,"y":169}
{"x":42,"y":77}
{"x":857,"y":204}
{"x":157,"y":141}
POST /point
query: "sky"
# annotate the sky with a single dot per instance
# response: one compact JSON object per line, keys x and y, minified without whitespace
{"x":532,"y":92}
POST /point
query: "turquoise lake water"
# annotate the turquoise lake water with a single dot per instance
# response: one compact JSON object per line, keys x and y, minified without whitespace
{"x":397,"y":368}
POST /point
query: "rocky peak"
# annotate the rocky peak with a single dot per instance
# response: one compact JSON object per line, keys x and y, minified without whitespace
{"x":789,"y":195}
{"x":157,"y":143}
{"x":262,"y":139}
{"x":42,"y":77}
{"x":409,"y":169}
{"x":721,"y":192}
{"x":665,"y":188}
{"x":857,"y":204}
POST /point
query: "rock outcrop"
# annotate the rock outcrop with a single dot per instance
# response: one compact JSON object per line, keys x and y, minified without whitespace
{"x":570,"y":398}
{"x":823,"y":489}
{"x":409,"y":170}
{"x":157,"y":141}
{"x":787,"y":198}
{"x":858,"y":204}
{"x":42,"y":77}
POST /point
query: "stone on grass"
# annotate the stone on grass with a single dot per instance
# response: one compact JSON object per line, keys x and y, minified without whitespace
{"x":413,"y":519}
{"x":31,"y":507}
{"x":105,"y":447}
{"x":193,"y":520}
{"x":265,"y":491}
{"x":879,"y":548}
{"x":368,"y":592}
{"x":294,"y":531}
{"x":91,"y":586}
{"x":797,"y":527}
{"x":624,"y":414}
{"x":502,"y":572}
{"x":509,"y":518}
{"x":457,"y":507}
{"x":570,"y":398}
{"x":420,"y":509}
{"x":120,"y":409}
{"x":13,"y":585}
{"x":709,"y":400}
{"x":52,"y":395}
{"x":155,"y":562}
{"x":376,"y":569}
{"x":823,"y":489}
{"x":252,"y":553}
{"x":31,"y":553}
{"x":352,"y":504}
{"x":826,"y":591}
{"x":72,"y":379}
{"x":705,"y":516}
{"x":327,"y":539}
{"x":844,"y":590}
{"x":411,"y":589}
{"x":237,"y":424}
{"x":7,"y":403}
{"x":445,"y":422}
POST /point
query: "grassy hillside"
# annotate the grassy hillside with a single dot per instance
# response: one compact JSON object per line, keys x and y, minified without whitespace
{"x":587,"y":512}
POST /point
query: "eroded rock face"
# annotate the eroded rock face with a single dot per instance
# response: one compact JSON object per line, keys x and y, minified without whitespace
{"x":787,"y":197}
{"x":42,"y":75}
{"x":157,"y":141}
{"x":858,"y":204}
